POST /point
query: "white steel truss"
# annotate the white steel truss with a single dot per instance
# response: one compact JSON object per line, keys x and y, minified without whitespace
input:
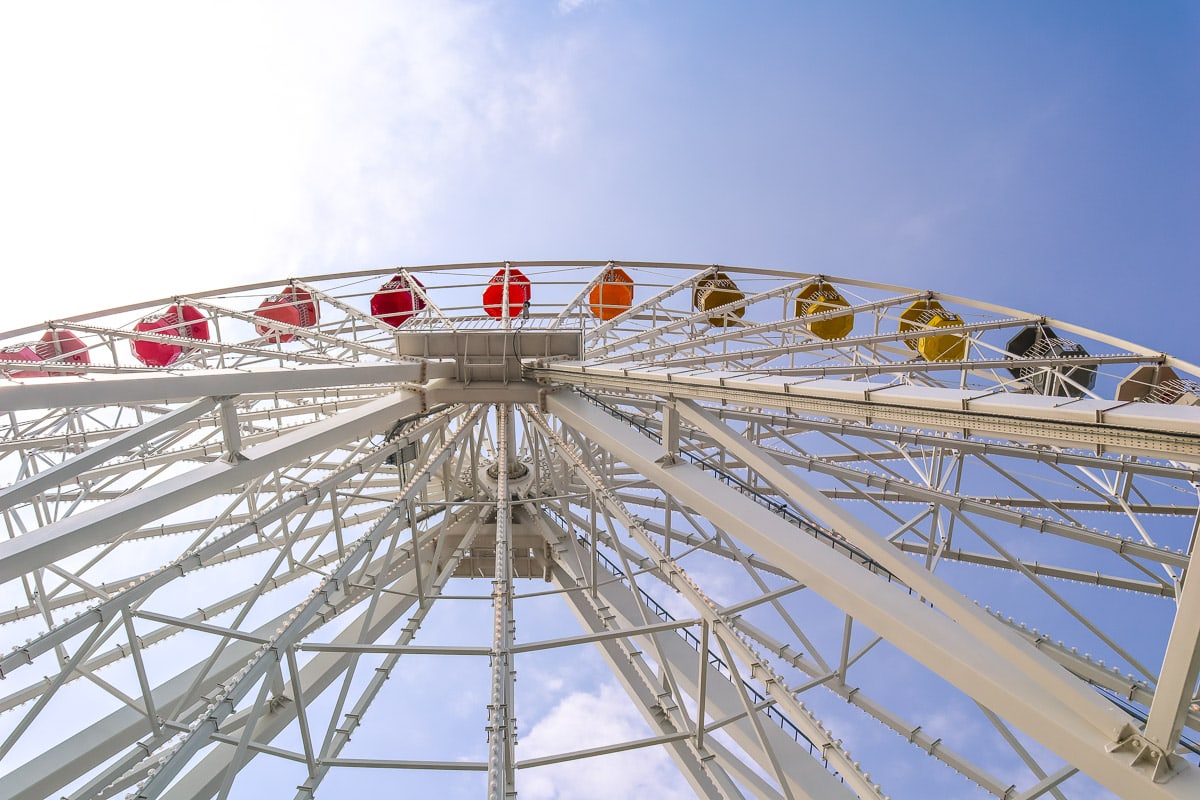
{"x":343,"y":551}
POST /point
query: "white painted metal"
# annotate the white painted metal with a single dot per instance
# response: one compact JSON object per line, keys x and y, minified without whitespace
{"x":233,"y":559}
{"x":1077,"y":725}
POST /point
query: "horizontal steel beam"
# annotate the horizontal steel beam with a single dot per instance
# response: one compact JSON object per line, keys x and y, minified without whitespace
{"x":1159,"y":431}
{"x":1030,"y":690}
{"x":121,"y":515}
{"x":103,"y":451}
{"x":187,"y":385}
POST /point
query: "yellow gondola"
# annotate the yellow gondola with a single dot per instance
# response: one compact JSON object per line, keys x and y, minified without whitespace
{"x":715,"y":291}
{"x":929,"y":315}
{"x":818,"y":298}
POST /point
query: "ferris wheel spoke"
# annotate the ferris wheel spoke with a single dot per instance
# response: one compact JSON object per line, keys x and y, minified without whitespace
{"x":70,"y":628}
{"x":960,"y":505}
{"x":1055,"y":596}
{"x":231,"y":661}
{"x":98,"y":454}
{"x":120,"y":596}
{"x":351,"y":349}
{"x":757,"y":335}
{"x":639,"y":682}
{"x":1156,"y":588}
{"x":352,"y":314}
{"x":576,"y":305}
{"x":594,"y":604}
{"x":344,"y":551}
{"x":195,"y":350}
{"x":267,"y":656}
{"x":696,"y":317}
{"x":773,"y":687}
{"x":776,"y":474}
{"x":1104,"y":426}
{"x":1008,"y":511}
{"x":1081,"y":723}
{"x":256,"y":413}
{"x":188,"y":385}
{"x":855,"y":694}
{"x":1175,"y":689}
{"x":338,"y":736}
{"x":786,"y":426}
{"x":96,"y":526}
{"x":871,"y":343}
{"x":1045,"y":784}
{"x":390,"y":600}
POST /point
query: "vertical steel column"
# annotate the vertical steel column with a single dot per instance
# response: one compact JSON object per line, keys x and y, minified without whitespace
{"x":501,"y":733}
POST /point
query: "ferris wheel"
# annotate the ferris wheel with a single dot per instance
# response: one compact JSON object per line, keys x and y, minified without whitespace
{"x":806,"y":536}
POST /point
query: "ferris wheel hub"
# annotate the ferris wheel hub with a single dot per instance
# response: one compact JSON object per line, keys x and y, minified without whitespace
{"x":520,"y":479}
{"x":491,"y":354}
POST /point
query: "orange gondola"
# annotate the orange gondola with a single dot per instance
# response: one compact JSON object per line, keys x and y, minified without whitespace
{"x":613,"y":295}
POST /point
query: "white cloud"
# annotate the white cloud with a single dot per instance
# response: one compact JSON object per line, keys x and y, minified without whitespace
{"x":571,"y":6}
{"x":151,"y":150}
{"x":591,"y":719}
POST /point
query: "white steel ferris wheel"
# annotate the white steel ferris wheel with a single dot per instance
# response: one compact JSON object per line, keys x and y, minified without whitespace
{"x":345,"y":532}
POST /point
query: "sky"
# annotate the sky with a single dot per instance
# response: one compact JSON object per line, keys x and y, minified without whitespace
{"x":1042,"y":156}
{"x":1038,"y":155}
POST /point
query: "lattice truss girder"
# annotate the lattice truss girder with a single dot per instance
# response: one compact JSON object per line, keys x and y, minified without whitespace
{"x":750,"y":561}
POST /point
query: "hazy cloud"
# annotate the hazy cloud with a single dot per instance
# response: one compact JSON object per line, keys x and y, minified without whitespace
{"x":591,"y":719}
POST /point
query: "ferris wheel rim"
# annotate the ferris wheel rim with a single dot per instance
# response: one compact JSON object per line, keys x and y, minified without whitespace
{"x":697,"y":441}
{"x":1065,"y":325}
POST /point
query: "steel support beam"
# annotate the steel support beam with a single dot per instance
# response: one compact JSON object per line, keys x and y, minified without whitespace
{"x":500,"y":729}
{"x":805,"y":776}
{"x":163,"y":386}
{"x":120,"y":515}
{"x":1101,"y":425}
{"x":97,"y":454}
{"x":773,"y":687}
{"x":1034,"y":696}
{"x":1176,"y":688}
{"x":297,"y":626}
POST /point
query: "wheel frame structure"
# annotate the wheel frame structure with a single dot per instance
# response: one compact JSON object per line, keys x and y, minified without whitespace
{"x":779,"y":533}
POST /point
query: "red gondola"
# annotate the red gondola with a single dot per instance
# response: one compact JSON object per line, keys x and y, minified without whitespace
{"x":519,"y":293}
{"x":396,"y":302}
{"x":177,"y":320}
{"x":60,"y":346}
{"x":292,"y":306}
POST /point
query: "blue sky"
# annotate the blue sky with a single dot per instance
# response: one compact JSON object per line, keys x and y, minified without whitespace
{"x":1037,"y":155}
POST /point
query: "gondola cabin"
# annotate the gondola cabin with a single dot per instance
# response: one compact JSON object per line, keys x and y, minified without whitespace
{"x":1040,"y":342}
{"x":612,"y":296}
{"x":927,"y":317}
{"x":397,"y":301}
{"x":292,"y":306}
{"x":178,"y":320}
{"x":822,"y":298}
{"x":56,"y":346}
{"x":714,"y":291}
{"x":509,"y":290}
